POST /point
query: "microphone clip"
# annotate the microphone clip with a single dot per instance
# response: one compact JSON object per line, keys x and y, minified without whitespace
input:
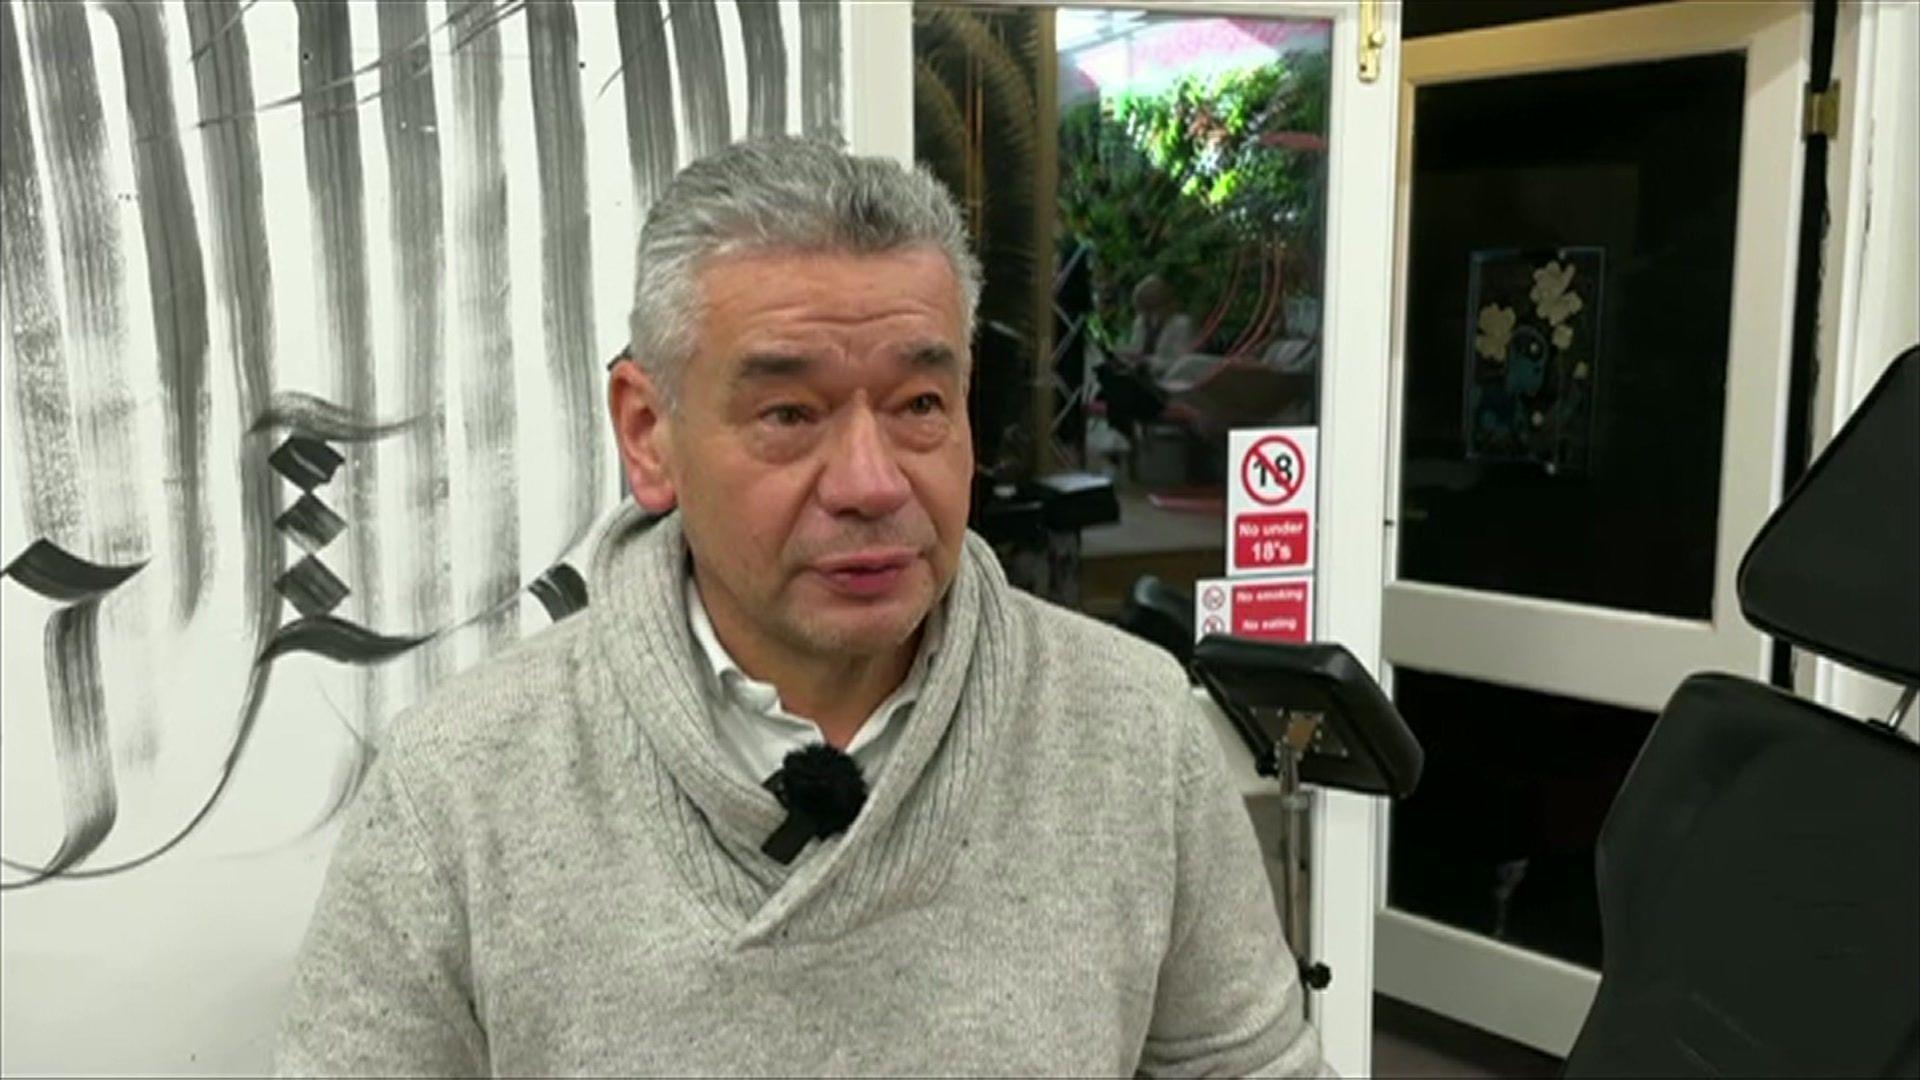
{"x":822,"y":790}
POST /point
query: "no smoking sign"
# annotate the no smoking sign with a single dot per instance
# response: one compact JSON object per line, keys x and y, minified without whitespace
{"x":1271,"y":501}
{"x":1272,"y":608}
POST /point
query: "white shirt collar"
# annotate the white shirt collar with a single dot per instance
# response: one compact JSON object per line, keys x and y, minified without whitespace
{"x":758,"y":731}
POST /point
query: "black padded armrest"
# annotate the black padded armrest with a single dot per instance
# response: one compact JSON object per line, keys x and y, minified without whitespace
{"x":1364,"y":744}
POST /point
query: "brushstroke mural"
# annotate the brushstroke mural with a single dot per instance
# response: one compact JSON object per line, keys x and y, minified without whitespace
{"x":304,"y":308}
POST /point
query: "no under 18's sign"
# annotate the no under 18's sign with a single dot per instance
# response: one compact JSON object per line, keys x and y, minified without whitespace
{"x":1271,"y":498}
{"x":1269,"y":609}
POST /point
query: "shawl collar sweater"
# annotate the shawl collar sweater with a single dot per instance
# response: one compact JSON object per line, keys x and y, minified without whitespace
{"x":553,"y":868}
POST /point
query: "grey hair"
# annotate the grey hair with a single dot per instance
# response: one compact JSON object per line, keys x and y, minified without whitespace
{"x":780,"y":194}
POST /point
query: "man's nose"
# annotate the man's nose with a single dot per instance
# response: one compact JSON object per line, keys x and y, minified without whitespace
{"x":862,"y":476}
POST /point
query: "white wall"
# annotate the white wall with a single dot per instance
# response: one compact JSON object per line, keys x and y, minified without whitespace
{"x":181,"y":964}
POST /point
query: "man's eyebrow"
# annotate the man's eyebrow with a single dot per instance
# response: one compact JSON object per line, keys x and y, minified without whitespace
{"x":771,"y":366}
{"x":931,"y":356}
{"x":759,"y":366}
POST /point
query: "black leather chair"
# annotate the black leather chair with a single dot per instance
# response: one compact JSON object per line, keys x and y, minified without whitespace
{"x":1160,"y":613}
{"x":1131,"y":396}
{"x":1034,"y":527}
{"x":1760,"y":869}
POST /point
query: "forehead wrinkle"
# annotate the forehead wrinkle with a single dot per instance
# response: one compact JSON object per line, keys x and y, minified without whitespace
{"x":799,"y":326}
{"x":773,"y":366}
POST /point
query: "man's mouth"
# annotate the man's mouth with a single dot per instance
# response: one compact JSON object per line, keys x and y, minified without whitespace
{"x":866,"y":574}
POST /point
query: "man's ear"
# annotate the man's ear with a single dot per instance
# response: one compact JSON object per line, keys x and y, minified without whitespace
{"x":641,"y":422}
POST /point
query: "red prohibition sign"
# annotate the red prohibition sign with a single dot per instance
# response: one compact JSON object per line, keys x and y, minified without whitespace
{"x":1287,"y":469}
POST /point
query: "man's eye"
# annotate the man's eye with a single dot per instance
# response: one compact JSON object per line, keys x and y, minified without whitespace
{"x":927,"y":405}
{"x":786,"y":415}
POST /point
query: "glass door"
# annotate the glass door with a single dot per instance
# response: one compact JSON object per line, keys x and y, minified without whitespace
{"x":1589,"y":382}
{"x":1216,"y":255}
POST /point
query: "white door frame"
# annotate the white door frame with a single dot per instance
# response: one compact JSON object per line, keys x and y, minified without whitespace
{"x":1359,"y":256}
{"x":1872,"y":267}
{"x":1623,"y":658}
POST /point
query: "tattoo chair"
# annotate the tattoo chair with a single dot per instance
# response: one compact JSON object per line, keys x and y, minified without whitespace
{"x":1760,"y":868}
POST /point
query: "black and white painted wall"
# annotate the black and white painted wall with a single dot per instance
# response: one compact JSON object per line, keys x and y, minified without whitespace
{"x":303,"y":328}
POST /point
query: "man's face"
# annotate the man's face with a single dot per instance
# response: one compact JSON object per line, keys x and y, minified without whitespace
{"x":819,"y":452}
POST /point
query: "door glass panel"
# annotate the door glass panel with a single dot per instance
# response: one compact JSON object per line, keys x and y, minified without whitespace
{"x":1192,"y":195}
{"x":1569,"y":286}
{"x":1499,"y":837}
{"x":1147,"y":193}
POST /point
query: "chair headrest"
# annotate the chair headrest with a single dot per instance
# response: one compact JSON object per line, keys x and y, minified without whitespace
{"x":1836,"y":569}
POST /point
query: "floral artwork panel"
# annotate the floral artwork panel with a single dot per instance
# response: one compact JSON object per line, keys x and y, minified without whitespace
{"x":1532,"y":360}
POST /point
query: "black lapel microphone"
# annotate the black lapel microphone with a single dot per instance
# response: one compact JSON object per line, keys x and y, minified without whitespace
{"x":823,"y":791}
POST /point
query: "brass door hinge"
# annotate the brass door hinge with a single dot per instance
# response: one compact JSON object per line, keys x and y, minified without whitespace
{"x":1373,"y":38}
{"x":1821,"y":115}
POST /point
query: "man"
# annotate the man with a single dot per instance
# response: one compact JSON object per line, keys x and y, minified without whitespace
{"x":561,"y":862}
{"x":1161,"y":332}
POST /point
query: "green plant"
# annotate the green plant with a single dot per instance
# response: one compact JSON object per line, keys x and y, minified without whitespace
{"x":1197,"y":182}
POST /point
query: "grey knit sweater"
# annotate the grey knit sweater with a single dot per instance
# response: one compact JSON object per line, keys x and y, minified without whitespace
{"x":553,"y":869}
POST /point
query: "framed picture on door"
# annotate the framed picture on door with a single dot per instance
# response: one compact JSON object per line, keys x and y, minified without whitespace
{"x":1532,"y":355}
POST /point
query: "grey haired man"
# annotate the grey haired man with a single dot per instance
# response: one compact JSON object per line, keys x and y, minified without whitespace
{"x":562,"y":861}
